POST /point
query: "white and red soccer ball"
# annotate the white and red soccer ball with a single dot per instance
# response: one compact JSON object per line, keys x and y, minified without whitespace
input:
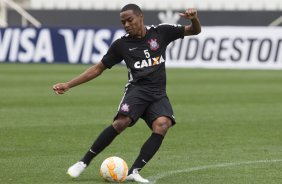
{"x":114,"y":169}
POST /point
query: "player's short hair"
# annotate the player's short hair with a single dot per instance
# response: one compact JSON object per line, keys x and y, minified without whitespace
{"x":135,"y":8}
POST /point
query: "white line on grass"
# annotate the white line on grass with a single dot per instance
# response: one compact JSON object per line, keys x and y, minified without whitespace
{"x":154,"y":179}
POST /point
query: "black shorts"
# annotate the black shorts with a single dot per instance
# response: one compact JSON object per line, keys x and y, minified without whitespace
{"x":140,"y":103}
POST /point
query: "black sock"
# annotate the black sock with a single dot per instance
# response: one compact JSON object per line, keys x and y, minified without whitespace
{"x":148,"y":150}
{"x":103,"y":140}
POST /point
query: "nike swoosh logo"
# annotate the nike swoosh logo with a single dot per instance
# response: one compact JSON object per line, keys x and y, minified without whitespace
{"x":144,"y":161}
{"x":131,"y":49}
{"x":92,"y":152}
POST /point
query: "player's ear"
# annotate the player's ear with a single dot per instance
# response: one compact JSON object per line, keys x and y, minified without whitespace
{"x":142,"y":17}
{"x":140,"y":14}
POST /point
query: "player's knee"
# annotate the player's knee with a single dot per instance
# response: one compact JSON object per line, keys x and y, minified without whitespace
{"x":161,"y":125}
{"x":121,"y":123}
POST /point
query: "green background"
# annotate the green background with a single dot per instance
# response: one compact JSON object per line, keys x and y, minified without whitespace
{"x":229,"y":126}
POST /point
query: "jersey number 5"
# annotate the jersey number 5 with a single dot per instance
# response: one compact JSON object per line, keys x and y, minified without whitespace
{"x":147,"y":54}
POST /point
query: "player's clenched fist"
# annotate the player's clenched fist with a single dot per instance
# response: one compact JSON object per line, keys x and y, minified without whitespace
{"x":190,"y":13}
{"x":60,"y":88}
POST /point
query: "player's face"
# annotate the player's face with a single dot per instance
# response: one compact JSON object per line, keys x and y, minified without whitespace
{"x":131,"y":22}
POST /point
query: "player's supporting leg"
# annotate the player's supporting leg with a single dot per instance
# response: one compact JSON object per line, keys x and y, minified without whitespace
{"x":149,"y":148}
{"x":103,"y":140}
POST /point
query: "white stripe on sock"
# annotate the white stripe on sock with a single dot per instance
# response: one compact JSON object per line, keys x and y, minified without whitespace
{"x":92,"y":152}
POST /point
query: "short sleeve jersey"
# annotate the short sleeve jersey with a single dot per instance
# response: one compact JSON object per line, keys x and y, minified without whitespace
{"x":145,"y":57}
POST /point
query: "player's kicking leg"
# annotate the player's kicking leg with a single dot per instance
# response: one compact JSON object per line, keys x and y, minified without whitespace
{"x":103,"y":140}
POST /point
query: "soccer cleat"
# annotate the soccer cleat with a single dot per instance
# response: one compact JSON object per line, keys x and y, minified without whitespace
{"x":135,"y":176}
{"x":76,"y":169}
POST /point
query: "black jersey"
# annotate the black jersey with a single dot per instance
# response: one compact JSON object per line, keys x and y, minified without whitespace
{"x":145,"y":57}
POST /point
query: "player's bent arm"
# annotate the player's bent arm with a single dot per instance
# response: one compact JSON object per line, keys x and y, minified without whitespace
{"x":194,"y":28}
{"x":89,"y":74}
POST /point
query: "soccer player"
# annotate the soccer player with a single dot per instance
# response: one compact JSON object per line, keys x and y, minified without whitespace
{"x":143,"y":50}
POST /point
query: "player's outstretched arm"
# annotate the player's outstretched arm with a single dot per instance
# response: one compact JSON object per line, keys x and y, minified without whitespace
{"x":195,"y":27}
{"x":89,"y":74}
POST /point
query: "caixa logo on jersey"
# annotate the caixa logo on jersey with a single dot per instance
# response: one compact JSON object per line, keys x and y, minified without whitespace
{"x":149,"y":62}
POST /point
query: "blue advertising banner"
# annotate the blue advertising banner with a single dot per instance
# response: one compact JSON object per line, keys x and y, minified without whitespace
{"x":49,"y":45}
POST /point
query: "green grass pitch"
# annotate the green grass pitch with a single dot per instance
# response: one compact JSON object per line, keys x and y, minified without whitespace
{"x":229,"y":126}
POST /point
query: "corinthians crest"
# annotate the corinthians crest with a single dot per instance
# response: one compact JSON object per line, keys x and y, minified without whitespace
{"x":124,"y":107}
{"x":153,"y":44}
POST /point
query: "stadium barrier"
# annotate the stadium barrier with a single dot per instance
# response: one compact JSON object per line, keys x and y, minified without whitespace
{"x":215,"y":47}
